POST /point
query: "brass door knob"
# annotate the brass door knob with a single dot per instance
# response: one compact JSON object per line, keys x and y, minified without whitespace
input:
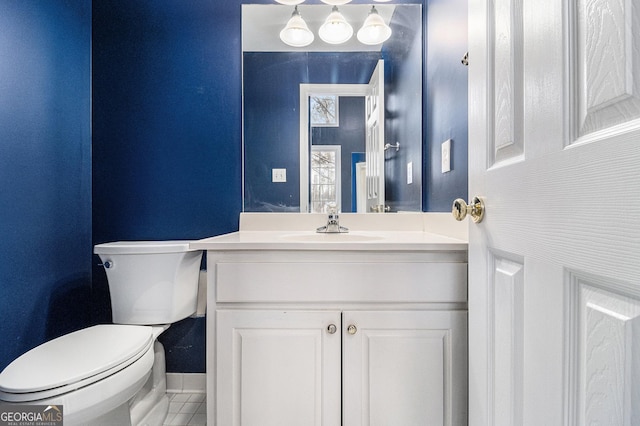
{"x":460,"y":209}
{"x":352,"y":329}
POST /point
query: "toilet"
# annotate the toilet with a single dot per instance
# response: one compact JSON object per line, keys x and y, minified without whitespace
{"x":114,"y":374}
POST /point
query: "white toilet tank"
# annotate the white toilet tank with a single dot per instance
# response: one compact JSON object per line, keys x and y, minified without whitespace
{"x":151,"y":282}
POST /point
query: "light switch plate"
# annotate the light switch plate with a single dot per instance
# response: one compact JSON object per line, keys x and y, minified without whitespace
{"x":446,"y":156}
{"x":278,"y":175}
{"x":409,"y":173}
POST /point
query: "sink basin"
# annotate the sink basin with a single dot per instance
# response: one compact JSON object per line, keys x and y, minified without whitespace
{"x":329,"y":238}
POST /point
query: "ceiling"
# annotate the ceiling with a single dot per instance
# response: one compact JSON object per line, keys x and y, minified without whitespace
{"x":261,"y":26}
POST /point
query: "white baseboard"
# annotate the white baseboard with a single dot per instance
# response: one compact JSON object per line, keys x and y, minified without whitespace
{"x":186,"y":382}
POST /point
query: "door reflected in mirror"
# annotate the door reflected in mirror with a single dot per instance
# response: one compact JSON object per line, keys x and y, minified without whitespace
{"x":294,"y":108}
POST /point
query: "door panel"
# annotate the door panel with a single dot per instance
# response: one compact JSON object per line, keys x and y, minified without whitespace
{"x":607,"y":58}
{"x":603,"y":329}
{"x":506,"y":293}
{"x":507,"y":143}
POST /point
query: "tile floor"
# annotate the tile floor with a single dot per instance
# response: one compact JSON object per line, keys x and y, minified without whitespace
{"x":187,"y":409}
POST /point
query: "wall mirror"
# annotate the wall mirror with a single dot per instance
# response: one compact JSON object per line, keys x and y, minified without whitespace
{"x":332,"y":126}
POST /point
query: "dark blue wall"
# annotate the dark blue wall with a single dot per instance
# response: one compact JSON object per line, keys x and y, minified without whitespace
{"x":403,"y":106}
{"x":45,"y":172}
{"x":166,"y":133}
{"x":446,"y":98}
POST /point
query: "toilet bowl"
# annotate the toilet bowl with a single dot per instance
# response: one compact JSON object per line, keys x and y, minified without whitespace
{"x":114,"y":374}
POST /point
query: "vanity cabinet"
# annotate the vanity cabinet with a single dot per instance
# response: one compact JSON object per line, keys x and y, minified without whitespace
{"x":330,"y":368}
{"x":337,"y":338}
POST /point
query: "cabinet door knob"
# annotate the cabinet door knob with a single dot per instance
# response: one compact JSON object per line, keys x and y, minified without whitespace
{"x":352,"y":329}
{"x":332,"y":329}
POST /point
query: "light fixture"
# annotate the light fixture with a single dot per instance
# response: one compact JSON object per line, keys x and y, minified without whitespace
{"x":336,"y":29}
{"x":374,"y":30}
{"x":291,"y":2}
{"x":336,"y":2}
{"x":296,"y":33}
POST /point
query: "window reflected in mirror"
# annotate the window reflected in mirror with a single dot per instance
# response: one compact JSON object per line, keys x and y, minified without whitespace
{"x":325,"y":178}
{"x":323,"y":110}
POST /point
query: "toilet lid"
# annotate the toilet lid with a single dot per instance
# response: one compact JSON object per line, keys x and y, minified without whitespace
{"x":75,"y":357}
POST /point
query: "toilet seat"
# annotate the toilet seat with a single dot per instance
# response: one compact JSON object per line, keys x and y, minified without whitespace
{"x":73,"y":361}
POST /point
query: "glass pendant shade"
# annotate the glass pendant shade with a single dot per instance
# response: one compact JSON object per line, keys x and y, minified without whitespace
{"x":336,"y":29}
{"x":296,"y":33}
{"x":374,"y":30}
{"x":291,"y":2}
{"x":336,"y":2}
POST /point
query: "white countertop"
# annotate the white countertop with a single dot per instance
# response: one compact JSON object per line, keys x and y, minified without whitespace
{"x":369,"y":232}
{"x":309,"y":240}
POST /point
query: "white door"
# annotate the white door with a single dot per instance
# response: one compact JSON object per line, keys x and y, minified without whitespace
{"x":375,"y":139}
{"x":278,"y":368}
{"x":404,"y":368}
{"x":554,"y":267}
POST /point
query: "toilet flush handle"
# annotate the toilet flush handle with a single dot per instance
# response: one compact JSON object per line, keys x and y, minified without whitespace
{"x":107,"y":264}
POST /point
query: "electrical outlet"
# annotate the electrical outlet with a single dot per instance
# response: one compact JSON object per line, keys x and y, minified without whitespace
{"x":446,"y":156}
{"x":409,"y":173}
{"x":278,"y":175}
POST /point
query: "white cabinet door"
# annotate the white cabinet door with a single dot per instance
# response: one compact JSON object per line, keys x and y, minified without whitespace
{"x":554,"y":271}
{"x":277,"y":368}
{"x":404,"y":368}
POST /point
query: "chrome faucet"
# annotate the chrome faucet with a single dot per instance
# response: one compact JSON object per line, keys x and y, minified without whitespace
{"x":333,"y":224}
{"x":380,"y":208}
